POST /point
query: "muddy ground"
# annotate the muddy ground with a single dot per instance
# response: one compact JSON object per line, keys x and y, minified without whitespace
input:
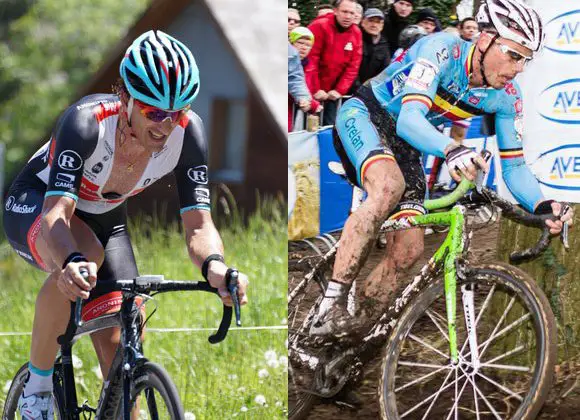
{"x":564,"y":400}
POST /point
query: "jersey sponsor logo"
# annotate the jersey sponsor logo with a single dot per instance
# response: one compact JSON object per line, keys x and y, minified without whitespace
{"x":108,"y":149}
{"x":198,"y":174}
{"x":442,"y":56}
{"x":422,"y":74}
{"x":564,"y":164}
{"x":456,"y":51}
{"x":23,"y":208}
{"x":397,"y":83}
{"x":519,"y":127}
{"x":64,"y":180}
{"x":353,"y":134}
{"x":473,"y":100}
{"x":97,"y":167}
{"x":560,"y":102}
{"x":24,"y":255}
{"x":202,"y":195}
{"x":348,"y":46}
{"x":88,"y":105}
{"x":9,"y":203}
{"x":519,"y":105}
{"x":511,"y":89}
{"x":563,"y":33}
{"x":69,"y":160}
{"x":453,"y":88}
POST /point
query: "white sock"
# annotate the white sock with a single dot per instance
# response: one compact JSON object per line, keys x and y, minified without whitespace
{"x":38,"y":380}
{"x":334,"y":290}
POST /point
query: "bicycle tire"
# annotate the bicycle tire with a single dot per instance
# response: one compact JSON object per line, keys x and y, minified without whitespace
{"x":10,"y":409}
{"x":542,"y":322}
{"x":300,"y":403}
{"x":148,"y":378}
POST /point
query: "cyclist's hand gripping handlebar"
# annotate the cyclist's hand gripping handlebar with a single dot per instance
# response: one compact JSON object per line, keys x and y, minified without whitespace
{"x":232,"y":285}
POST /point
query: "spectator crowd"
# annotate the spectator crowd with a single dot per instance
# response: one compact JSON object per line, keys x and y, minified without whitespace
{"x":347,"y":44}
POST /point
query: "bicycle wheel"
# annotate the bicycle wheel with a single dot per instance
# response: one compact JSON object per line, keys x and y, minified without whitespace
{"x":303,"y":361}
{"x":154,"y":396}
{"x":508,"y":376}
{"x":10,"y":411}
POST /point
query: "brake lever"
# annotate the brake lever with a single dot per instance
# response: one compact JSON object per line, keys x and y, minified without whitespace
{"x":232,"y":284}
{"x":79,"y":302}
{"x":486,"y":155}
{"x":565,"y":228}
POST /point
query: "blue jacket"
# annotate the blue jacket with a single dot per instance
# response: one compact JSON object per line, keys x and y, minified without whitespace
{"x":296,"y":84}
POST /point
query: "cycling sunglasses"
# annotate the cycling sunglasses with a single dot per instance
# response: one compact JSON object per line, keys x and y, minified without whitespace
{"x":159,"y":115}
{"x":513,"y":54}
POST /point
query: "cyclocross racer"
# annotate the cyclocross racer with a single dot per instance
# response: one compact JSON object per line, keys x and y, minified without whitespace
{"x":66,"y":210}
{"x":381,"y":132}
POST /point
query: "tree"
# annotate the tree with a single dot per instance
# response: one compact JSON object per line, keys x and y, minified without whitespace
{"x":50,"y":51}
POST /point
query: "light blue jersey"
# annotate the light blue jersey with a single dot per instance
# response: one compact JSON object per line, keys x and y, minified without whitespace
{"x":428,"y":85}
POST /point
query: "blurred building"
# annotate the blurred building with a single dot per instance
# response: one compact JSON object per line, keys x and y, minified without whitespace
{"x":243,"y":91}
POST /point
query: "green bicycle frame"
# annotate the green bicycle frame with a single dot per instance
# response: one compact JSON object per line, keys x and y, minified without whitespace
{"x":448,"y":252}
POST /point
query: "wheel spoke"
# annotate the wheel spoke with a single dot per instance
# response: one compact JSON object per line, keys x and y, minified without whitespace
{"x":429,"y":346}
{"x":503,"y":332}
{"x":425,"y":416}
{"x":434,"y":320}
{"x":507,"y":354}
{"x":426,"y":365}
{"x":485,"y":400}
{"x":425,"y":401}
{"x":503,"y":317}
{"x":507,"y":367}
{"x":413,"y":382}
{"x":457,"y":398}
{"x":500,"y":386}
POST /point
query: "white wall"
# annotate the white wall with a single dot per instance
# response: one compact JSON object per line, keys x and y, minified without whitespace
{"x":220,"y":75}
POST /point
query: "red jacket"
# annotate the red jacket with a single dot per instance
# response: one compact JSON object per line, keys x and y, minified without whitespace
{"x":335,"y":56}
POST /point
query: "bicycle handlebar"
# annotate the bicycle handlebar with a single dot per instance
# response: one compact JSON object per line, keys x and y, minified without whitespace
{"x":510,"y":211}
{"x":157,"y":283}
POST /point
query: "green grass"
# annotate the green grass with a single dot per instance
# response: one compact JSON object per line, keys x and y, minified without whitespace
{"x":215,"y":381}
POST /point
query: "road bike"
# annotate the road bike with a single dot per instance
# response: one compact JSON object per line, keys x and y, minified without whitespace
{"x":135,"y":388}
{"x":495,"y":360}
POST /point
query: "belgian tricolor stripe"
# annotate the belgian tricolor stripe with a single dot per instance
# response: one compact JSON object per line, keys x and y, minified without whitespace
{"x":367,"y":164}
{"x":454,"y":109}
{"x":468,"y":64}
{"x":418,"y":98}
{"x":511,"y":153}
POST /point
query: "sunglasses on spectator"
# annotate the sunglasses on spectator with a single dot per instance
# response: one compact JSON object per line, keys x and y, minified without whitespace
{"x":297,"y":21}
{"x":513,"y":54}
{"x":158,"y":115}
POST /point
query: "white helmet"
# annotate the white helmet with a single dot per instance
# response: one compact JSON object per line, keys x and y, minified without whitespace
{"x":508,"y":16}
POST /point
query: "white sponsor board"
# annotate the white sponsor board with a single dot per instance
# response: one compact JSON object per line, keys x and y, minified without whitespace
{"x":551,"y":89}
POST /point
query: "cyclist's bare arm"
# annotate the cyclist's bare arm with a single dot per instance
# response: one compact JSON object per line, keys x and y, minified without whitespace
{"x":203,"y":240}
{"x":57,"y":214}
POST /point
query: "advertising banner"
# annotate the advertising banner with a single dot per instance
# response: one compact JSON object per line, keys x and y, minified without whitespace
{"x":551,"y":87}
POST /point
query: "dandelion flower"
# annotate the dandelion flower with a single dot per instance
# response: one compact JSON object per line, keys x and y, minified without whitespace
{"x":273,"y":363}
{"x":232,"y":377}
{"x":263,"y":373}
{"x":260,"y":399}
{"x":244,"y":409}
{"x":270,"y":354}
{"x":189,"y":415}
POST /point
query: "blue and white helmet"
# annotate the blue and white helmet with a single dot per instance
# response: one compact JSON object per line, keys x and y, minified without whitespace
{"x":160,"y":71}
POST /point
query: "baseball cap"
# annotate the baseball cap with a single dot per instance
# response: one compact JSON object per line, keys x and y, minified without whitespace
{"x":373,"y":12}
